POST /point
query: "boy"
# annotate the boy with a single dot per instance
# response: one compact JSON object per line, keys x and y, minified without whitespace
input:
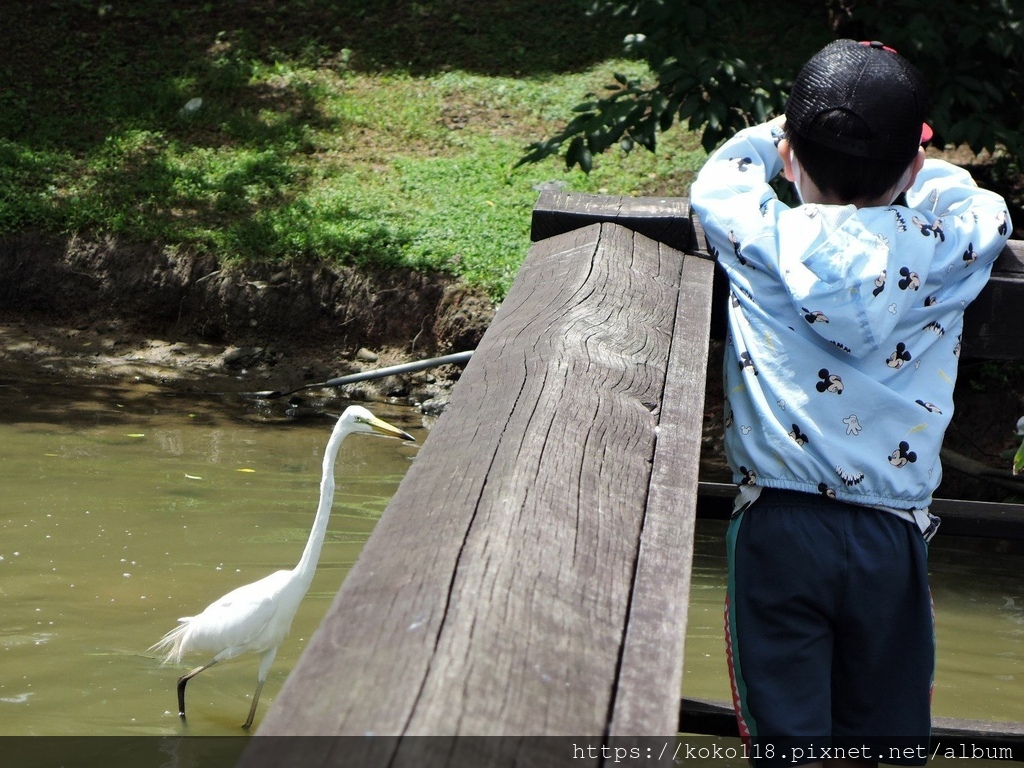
{"x":844,"y":332}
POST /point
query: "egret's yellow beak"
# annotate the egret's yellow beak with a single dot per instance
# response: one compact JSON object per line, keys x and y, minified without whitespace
{"x":381,"y":427}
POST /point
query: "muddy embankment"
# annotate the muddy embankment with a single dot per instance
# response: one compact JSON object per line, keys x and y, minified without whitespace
{"x":116,"y":310}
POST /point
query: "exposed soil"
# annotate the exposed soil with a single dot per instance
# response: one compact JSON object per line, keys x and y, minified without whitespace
{"x":114,"y":311}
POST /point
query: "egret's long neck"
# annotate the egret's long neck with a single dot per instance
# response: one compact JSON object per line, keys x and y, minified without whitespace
{"x":311,"y":554}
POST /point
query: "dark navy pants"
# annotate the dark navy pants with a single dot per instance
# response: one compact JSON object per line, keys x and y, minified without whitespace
{"x":830,"y":631}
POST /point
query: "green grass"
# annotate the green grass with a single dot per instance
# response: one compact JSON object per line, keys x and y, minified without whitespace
{"x":327,"y":131}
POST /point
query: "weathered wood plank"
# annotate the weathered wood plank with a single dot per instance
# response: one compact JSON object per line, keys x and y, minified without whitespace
{"x":716,"y":718}
{"x":665,"y":219}
{"x":512,"y":586}
{"x":554,"y":541}
{"x":1011,"y":259}
{"x":984,"y":519}
{"x":493,"y":594}
{"x":650,"y":675}
{"x":992,"y":322}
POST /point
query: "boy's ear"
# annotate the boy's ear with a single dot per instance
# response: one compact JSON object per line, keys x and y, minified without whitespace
{"x":786,"y":154}
{"x":915,"y":168}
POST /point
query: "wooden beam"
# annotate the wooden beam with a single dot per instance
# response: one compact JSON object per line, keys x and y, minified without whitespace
{"x":665,"y":219}
{"x":983,"y":519}
{"x":991,"y":325}
{"x":518,"y":576}
{"x":531,"y":574}
{"x":716,"y":718}
{"x":992,"y":322}
{"x":657,"y":621}
{"x":1011,"y":258}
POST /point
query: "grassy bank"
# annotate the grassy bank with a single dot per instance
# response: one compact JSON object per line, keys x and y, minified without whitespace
{"x":365,"y":132}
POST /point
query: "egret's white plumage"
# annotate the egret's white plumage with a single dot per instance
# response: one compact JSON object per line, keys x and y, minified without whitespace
{"x":256,"y":617}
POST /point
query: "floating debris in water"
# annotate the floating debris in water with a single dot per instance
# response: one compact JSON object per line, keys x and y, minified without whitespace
{"x":21,"y":698}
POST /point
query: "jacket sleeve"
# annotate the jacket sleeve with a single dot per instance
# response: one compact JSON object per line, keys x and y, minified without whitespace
{"x":736,"y":205}
{"x":970,"y":224}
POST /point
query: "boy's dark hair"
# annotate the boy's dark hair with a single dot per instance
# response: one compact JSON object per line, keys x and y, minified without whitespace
{"x":839,"y":174}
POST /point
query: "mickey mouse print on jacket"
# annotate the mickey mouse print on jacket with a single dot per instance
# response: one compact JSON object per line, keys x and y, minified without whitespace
{"x":844,"y":324}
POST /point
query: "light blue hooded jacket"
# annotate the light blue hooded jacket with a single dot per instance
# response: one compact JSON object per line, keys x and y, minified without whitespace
{"x":844,"y":324}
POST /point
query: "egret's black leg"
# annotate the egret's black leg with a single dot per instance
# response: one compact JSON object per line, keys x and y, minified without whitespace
{"x":252,"y":709}
{"x":183,"y":681}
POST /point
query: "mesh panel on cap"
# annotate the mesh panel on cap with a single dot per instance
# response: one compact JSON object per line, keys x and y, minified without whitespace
{"x":864,"y":100}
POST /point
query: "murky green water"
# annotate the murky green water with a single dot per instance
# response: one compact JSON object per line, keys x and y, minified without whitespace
{"x":978,"y":591}
{"x":122,"y":509}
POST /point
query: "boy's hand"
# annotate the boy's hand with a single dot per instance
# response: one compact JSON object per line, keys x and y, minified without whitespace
{"x":779,"y":121}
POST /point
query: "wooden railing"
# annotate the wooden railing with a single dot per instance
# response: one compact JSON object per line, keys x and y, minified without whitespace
{"x":531,"y":574}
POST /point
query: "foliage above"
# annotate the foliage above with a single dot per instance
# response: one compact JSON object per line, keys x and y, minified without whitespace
{"x":375,"y":134}
{"x":722,"y":65}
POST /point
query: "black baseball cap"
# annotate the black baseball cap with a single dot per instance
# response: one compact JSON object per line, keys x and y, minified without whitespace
{"x":883,"y":99}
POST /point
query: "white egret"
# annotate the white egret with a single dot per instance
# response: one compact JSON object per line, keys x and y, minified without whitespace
{"x":257,"y":617}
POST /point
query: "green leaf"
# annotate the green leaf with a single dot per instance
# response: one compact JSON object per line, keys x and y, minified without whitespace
{"x":586,"y":160}
{"x":573,"y":152}
{"x":690,"y":107}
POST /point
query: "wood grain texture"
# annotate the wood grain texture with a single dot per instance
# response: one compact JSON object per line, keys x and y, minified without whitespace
{"x":539,"y":600}
{"x":494,"y":594}
{"x":648,"y":684}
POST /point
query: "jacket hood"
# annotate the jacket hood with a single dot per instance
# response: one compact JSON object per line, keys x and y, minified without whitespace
{"x":835,"y":262}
